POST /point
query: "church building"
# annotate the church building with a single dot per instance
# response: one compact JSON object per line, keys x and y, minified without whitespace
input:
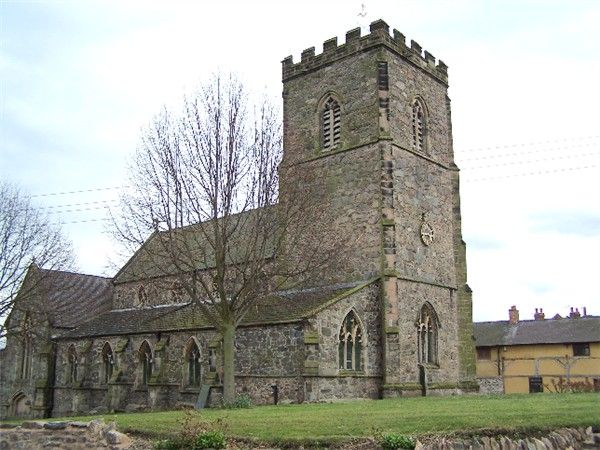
{"x":369,"y":119}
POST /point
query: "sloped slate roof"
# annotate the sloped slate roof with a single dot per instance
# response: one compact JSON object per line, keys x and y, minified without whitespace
{"x":550,"y":331}
{"x":284,"y":307}
{"x":73,"y":298}
{"x":188,"y":248}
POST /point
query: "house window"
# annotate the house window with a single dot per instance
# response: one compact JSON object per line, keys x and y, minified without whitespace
{"x":350,"y":343}
{"x":419,"y":126}
{"x":26,"y":354}
{"x":108,"y":363}
{"x":484,"y":353}
{"x":72,"y":365}
{"x":193,"y":364}
{"x":427,"y":329}
{"x":331,"y":127}
{"x":145,"y":357}
{"x":582,"y":349}
{"x":536,"y":385}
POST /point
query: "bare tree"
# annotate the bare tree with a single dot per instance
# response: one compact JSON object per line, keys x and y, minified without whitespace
{"x":205,"y":189}
{"x":26,"y":236}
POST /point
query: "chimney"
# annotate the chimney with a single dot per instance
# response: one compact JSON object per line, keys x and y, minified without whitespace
{"x":539,"y":315}
{"x":574,"y":314}
{"x":513,"y":315}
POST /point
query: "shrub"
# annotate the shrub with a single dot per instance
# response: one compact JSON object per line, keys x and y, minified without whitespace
{"x":241,"y":401}
{"x":394,"y":441}
{"x":572,"y":386}
{"x":210,"y":439}
{"x":196,"y":433}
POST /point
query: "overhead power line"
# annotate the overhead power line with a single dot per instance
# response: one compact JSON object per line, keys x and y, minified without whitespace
{"x":539,"y":172}
{"x":457,"y":153}
{"x":528,"y":144}
{"x":528,"y":152}
{"x":79,"y":191}
{"x":69,"y":205}
{"x":516,"y":163}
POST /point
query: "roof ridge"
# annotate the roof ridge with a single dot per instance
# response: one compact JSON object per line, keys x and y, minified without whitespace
{"x":70,"y":272}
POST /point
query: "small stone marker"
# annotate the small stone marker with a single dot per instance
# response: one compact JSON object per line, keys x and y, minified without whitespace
{"x":202,"y":397}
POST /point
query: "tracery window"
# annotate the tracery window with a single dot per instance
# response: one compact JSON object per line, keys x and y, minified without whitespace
{"x":193,"y":363}
{"x":350,"y":343}
{"x":419,"y":126}
{"x":26,"y":354}
{"x":427,"y":329}
{"x":145,"y":356}
{"x":72,"y":365}
{"x":331,"y":124}
{"x":108,"y":363}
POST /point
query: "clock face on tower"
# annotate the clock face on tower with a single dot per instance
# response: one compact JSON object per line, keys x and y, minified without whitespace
{"x":426,"y":231}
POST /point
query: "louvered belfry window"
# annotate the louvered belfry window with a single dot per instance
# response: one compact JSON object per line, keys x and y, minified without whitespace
{"x":331,"y":124}
{"x":418,"y":123}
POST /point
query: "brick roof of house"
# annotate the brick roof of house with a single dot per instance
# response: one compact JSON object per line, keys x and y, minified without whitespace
{"x":283,"y":307}
{"x":73,"y":298}
{"x":548,"y":331}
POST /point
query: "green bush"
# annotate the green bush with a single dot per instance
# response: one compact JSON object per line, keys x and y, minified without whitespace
{"x":196,"y":433}
{"x":394,"y":441}
{"x":242,"y":401}
{"x":210,"y":439}
{"x":172,"y":444}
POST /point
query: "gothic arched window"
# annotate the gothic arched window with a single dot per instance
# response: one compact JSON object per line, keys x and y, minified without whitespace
{"x":331,"y":124}
{"x":72,"y":365}
{"x":194,"y":372}
{"x":26,"y":355}
{"x":145,"y":356}
{"x":350,"y":343}
{"x":427,"y":329}
{"x":108,"y":363}
{"x":419,"y":126}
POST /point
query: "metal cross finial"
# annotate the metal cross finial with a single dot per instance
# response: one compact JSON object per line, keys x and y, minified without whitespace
{"x":363,"y":12}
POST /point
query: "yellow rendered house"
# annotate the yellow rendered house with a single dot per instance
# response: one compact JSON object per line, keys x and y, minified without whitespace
{"x":540,"y":355}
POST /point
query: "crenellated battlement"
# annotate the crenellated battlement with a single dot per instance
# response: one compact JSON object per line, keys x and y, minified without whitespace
{"x":379,"y":35}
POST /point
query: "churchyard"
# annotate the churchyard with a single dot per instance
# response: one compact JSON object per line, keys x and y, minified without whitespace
{"x":330,"y":423}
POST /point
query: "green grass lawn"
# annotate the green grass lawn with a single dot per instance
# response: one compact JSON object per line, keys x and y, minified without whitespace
{"x":360,"y":418}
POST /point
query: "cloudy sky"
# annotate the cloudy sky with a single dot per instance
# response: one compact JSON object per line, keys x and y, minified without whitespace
{"x":79,"y":79}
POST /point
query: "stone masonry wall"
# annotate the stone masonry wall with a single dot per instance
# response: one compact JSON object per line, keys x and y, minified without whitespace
{"x":324,"y":379}
{"x":274,"y":351}
{"x":407,"y":82}
{"x":422,"y":187}
{"x":343,"y":183}
{"x":26,"y":396}
{"x":403,"y":357}
{"x":158,"y":291}
{"x":491,"y":385}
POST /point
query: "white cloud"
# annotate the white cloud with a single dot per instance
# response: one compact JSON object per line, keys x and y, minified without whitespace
{"x":80,"y":79}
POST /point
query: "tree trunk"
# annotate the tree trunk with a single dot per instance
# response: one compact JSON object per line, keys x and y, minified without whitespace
{"x":228,"y":362}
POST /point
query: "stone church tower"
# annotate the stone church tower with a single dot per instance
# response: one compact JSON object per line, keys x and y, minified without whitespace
{"x":370,"y":121}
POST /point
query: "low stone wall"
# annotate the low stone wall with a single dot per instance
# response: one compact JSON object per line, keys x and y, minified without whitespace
{"x":491,"y":385}
{"x":92,"y":435}
{"x":562,"y":439}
